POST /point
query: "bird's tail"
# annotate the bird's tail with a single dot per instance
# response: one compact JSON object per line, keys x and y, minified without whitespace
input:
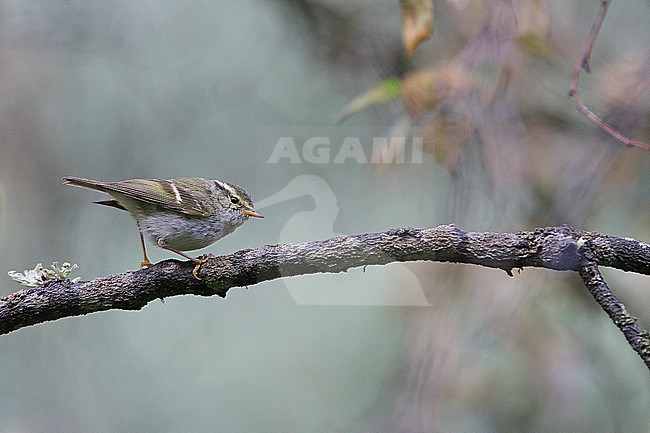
{"x":95,"y":185}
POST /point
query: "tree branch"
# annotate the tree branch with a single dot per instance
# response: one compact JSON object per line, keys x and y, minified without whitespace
{"x":636,"y":337}
{"x":559,"y":248}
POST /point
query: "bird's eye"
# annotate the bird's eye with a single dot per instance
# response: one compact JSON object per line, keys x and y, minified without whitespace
{"x":234,"y":199}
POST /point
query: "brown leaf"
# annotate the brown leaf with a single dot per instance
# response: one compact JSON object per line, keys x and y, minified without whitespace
{"x":423,"y":91}
{"x":533,"y":28}
{"x":417,"y":22}
{"x":445,"y":136}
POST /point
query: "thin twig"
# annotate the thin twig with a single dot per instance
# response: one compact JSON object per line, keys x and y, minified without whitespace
{"x":638,"y":338}
{"x":583,"y":64}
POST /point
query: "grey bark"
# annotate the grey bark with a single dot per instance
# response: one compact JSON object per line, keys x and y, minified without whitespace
{"x":558,"y":248}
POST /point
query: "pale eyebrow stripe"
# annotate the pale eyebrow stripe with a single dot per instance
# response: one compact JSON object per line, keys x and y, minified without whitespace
{"x":227,"y":187}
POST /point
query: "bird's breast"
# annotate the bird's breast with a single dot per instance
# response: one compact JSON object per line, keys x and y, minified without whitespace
{"x":183,"y":232}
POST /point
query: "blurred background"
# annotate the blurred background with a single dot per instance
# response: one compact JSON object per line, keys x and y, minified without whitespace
{"x":236,"y":91}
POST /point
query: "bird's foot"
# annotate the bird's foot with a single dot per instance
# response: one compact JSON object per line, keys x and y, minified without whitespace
{"x":198,"y":263}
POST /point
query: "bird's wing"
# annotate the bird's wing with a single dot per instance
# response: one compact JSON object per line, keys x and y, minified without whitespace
{"x":164,"y":193}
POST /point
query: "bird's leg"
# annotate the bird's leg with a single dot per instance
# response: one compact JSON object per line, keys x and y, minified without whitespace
{"x":145,"y":262}
{"x":197,"y":262}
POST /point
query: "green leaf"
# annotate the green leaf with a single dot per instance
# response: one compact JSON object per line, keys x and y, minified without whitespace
{"x":535,"y":45}
{"x":384,"y":92}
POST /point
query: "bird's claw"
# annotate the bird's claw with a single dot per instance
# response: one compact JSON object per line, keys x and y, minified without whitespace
{"x":198,"y":263}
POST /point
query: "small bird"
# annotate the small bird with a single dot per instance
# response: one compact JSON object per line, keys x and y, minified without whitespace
{"x":178,"y":215}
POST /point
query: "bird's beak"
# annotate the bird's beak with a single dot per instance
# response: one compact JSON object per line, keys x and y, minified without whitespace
{"x":252,"y":213}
